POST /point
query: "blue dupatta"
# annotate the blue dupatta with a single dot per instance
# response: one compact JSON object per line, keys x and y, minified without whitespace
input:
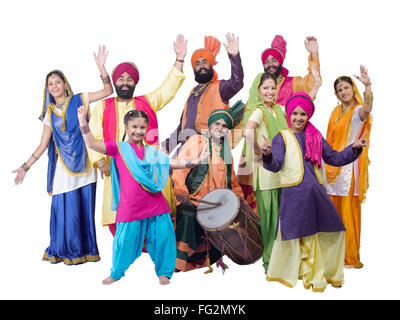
{"x":151,"y":173}
{"x":67,"y":143}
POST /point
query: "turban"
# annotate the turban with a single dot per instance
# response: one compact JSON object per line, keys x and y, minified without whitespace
{"x":278,"y":51}
{"x":127,"y":67}
{"x":218,"y":114}
{"x":209,"y":52}
{"x":232,"y":116}
{"x":313,"y":136}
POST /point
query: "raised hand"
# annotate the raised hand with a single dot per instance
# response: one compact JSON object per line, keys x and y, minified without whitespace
{"x":311,"y":45}
{"x":232,"y":45}
{"x":361,"y":142}
{"x":363,"y":77}
{"x":266,"y":147}
{"x":180,"y":47}
{"x":101,"y":56}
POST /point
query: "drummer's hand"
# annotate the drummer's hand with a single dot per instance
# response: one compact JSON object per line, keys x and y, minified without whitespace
{"x":182,"y":197}
{"x":266,"y":147}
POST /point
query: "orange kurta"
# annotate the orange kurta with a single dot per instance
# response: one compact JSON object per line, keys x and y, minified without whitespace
{"x":216,"y":178}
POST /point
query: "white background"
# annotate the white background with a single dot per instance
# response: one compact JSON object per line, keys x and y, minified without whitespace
{"x":38,"y":36}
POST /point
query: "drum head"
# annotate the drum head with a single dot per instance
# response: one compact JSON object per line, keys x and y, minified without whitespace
{"x":211,"y":217}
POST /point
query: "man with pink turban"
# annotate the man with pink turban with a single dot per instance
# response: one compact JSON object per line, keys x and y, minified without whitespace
{"x":273,"y":58}
{"x":310,"y":237}
{"x":107,"y":119}
{"x":210,"y":93}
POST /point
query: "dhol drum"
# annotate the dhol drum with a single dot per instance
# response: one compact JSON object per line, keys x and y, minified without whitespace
{"x":231,"y":225}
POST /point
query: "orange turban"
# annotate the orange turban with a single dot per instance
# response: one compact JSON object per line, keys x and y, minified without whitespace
{"x":209,"y":52}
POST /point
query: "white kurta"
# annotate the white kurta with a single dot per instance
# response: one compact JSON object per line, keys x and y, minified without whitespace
{"x":341,"y":186}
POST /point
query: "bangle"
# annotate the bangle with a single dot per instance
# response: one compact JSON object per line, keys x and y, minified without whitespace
{"x":105,"y":161}
{"x":368,"y":98}
{"x":105,"y":79}
{"x":84,"y":129}
{"x":180,"y":60}
{"x":25,"y":167}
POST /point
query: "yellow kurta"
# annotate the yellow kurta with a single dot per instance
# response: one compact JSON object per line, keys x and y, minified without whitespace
{"x":157,"y":100}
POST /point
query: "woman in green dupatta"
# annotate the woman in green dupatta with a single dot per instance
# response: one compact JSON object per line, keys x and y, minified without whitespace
{"x":263,"y":118}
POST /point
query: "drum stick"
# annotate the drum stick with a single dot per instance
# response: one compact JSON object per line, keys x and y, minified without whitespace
{"x":206,"y":202}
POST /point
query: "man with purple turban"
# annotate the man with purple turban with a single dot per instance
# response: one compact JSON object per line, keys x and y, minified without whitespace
{"x":107,"y":123}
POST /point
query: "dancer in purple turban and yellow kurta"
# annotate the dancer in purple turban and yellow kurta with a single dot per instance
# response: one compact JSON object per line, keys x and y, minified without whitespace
{"x":71,"y":181}
{"x":138,"y":173}
{"x":272,"y":59}
{"x":107,"y":123}
{"x":310,"y":239}
{"x":348,"y":185}
{"x":210,"y":93}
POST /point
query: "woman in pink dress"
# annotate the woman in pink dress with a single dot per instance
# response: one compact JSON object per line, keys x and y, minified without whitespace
{"x":139,"y":173}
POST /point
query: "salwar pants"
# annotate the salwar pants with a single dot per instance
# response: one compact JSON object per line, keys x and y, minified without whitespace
{"x":349,"y":208}
{"x":268,"y":211}
{"x":160,"y":244}
{"x":317,"y":259}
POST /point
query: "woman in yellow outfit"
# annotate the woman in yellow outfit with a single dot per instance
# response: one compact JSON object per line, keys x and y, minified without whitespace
{"x":347,"y":186}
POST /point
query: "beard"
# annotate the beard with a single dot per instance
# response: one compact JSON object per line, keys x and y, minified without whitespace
{"x":276,"y":73}
{"x":125,"y":94}
{"x":203,"y":77}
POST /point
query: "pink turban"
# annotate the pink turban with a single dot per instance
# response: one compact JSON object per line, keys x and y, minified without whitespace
{"x":313,"y":136}
{"x":278,"y":51}
{"x":127,"y":67}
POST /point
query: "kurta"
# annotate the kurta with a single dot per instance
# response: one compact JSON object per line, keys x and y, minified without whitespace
{"x":157,"y":100}
{"x":306,"y":208}
{"x":190,"y":122}
{"x":288,"y":85}
{"x":134,"y":200}
{"x":310,"y":238}
{"x":192,"y":249}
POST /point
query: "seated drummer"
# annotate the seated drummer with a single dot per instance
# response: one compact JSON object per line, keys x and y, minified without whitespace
{"x":193,"y":250}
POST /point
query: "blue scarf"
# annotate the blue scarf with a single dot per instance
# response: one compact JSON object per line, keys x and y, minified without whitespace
{"x":67,"y":141}
{"x":152,"y":172}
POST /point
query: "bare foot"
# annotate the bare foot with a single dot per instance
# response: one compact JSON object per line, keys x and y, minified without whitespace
{"x":163,"y":280}
{"x":109,"y":280}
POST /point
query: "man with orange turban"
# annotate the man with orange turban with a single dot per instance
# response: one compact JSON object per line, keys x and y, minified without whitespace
{"x":210,"y":92}
{"x":107,"y":119}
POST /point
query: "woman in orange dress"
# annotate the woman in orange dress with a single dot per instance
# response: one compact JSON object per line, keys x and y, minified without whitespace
{"x":347,"y":186}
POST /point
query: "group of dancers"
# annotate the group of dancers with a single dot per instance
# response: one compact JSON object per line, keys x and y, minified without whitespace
{"x":306,"y":190}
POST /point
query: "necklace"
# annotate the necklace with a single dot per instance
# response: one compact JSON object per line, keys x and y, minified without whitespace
{"x":61,"y":105}
{"x":202,"y":87}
